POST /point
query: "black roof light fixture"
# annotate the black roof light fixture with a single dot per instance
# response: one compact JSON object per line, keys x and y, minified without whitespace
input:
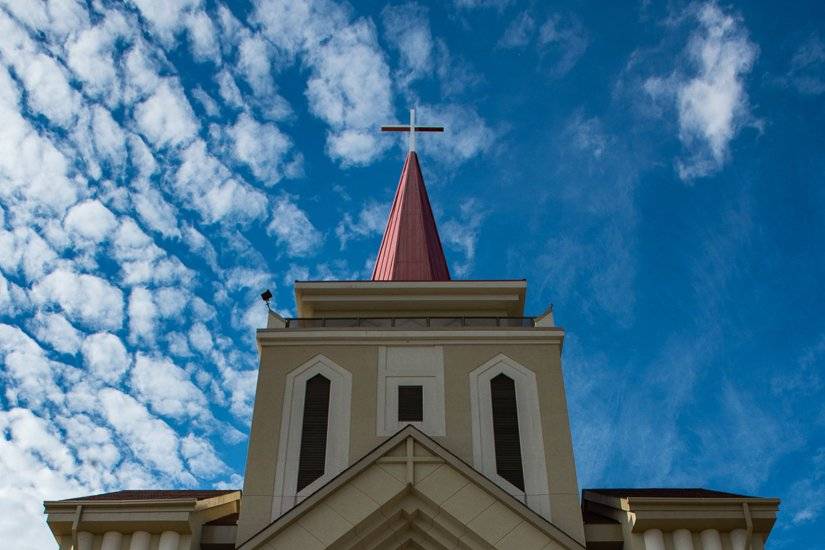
{"x":266,"y":296}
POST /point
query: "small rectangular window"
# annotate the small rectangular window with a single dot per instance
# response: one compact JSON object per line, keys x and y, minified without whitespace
{"x":410,"y":404}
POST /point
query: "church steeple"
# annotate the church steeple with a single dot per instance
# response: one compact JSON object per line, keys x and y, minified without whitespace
{"x":411,"y":249}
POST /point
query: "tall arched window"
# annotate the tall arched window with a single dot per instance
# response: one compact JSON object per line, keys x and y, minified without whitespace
{"x":508,"y":445}
{"x":315,"y":424}
{"x":314,"y":431}
{"x":505,"y":430}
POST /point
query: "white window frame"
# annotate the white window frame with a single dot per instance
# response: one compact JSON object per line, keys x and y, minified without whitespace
{"x":410,"y":366}
{"x":535,"y":494}
{"x":336,"y":460}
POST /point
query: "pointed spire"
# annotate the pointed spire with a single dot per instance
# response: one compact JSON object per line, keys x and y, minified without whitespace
{"x":411,"y":249}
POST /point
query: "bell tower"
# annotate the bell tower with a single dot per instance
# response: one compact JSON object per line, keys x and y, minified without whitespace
{"x":457,"y":360}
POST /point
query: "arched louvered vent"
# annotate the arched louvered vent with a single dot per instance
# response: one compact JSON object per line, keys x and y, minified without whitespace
{"x":505,"y":430}
{"x":314,"y":431}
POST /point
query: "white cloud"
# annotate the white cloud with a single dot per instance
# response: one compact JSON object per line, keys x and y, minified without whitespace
{"x":110,"y":139}
{"x":519,"y":32}
{"x":200,"y":338}
{"x":166,"y":118}
{"x":807,"y":67}
{"x":292,"y":228}
{"x":87,"y":299}
{"x":142,"y":314}
{"x":567,"y":38}
{"x":462,"y":234}
{"x":29,"y":378}
{"x":34,"y":463}
{"x":465,"y":135}
{"x":349,"y":86}
{"x":49,"y":90}
{"x":167,"y":17}
{"x":712,"y":103}
{"x":156,"y":212}
{"x":253,"y":62}
{"x":350,"y":90}
{"x":202,"y":36}
{"x":90,"y":56}
{"x":59,"y":17}
{"x":57,"y":332}
{"x":206,"y":186}
{"x":229,"y":89}
{"x":262,"y":147}
{"x":407,"y":29}
{"x":167,"y":388}
{"x":141,"y":70}
{"x":201,"y":457}
{"x":105,"y":356}
{"x":90,"y":220}
{"x":149,"y":438}
{"x":371,"y":220}
{"x":36,"y":173}
{"x":24,"y":249}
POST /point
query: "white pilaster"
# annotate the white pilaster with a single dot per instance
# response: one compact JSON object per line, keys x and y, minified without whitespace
{"x":85,"y":540}
{"x":140,"y":541}
{"x":654,"y":540}
{"x":169,"y":540}
{"x":711,"y":539}
{"x":682,"y":539}
{"x":739,"y":539}
{"x":111,"y":541}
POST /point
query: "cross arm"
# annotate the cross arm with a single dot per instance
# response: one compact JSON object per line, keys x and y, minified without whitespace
{"x":406,"y":128}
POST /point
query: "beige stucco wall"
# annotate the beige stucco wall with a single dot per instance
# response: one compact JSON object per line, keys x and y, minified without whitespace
{"x":362,"y":361}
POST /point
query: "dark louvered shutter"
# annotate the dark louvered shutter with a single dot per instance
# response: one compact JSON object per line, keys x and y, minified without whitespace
{"x":505,"y":430}
{"x":410,"y":403}
{"x":314,"y":431}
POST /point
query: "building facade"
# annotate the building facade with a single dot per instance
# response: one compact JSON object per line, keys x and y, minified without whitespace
{"x":412,"y":411}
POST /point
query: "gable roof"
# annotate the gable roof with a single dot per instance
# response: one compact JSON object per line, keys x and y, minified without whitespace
{"x":506,"y":502}
{"x":411,"y":248}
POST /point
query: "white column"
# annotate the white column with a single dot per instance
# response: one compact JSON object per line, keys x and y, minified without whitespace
{"x":739,"y":539}
{"x":711,"y":539}
{"x":654,"y":540}
{"x":682,"y":539}
{"x":169,"y":540}
{"x":140,"y":540}
{"x":85,"y":540}
{"x":111,"y":541}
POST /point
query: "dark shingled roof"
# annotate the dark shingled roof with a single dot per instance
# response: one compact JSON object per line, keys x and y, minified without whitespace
{"x":666,"y":492}
{"x":158,"y":494}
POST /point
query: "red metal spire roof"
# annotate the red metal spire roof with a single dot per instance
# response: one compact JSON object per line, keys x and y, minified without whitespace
{"x":411,"y":249}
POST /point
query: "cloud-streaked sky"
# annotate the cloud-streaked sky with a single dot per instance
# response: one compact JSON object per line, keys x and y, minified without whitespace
{"x":655,"y":172}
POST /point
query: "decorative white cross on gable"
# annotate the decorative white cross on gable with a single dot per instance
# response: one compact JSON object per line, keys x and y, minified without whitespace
{"x":411,"y":128}
{"x":410,"y":459}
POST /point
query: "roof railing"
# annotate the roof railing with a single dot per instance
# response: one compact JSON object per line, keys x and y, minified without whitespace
{"x":410,"y":322}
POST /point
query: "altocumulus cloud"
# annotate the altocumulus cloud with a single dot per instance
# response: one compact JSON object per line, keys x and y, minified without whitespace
{"x":128,"y":190}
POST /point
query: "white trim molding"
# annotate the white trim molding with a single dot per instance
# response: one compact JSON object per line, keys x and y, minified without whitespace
{"x":416,"y":366}
{"x":536,"y":494}
{"x":289,"y":445}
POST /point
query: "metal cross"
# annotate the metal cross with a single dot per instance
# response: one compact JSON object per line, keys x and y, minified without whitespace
{"x":411,"y":128}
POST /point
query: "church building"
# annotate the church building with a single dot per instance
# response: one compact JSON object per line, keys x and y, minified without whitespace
{"x":412,"y":411}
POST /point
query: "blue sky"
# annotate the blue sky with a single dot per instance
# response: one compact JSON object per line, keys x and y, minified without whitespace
{"x":655,"y":172}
